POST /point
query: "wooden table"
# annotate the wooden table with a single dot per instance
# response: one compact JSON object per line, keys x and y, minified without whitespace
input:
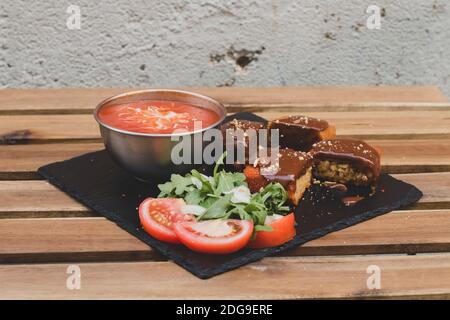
{"x":43,"y":231}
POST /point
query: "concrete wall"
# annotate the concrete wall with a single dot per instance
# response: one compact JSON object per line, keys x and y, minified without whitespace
{"x":223,"y":43}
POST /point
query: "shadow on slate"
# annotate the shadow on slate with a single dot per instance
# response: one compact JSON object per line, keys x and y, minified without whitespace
{"x":98,"y":183}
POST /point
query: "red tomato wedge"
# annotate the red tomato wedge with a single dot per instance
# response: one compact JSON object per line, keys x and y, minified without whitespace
{"x":283,"y":230}
{"x":215,"y":236}
{"x":158,"y":217}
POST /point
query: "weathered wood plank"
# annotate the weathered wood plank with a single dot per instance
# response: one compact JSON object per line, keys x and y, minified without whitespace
{"x":25,"y":129}
{"x":292,"y":108}
{"x":37,"y":199}
{"x":418,"y":276}
{"x":414,"y":155}
{"x":70,"y":100}
{"x":435,"y":186}
{"x":28,"y":158}
{"x":94,"y":239}
{"x":368,"y":125}
{"x":22,"y":161}
{"x":41,"y":199}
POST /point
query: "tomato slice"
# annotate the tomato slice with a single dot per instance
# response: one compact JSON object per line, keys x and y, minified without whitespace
{"x":215,"y":236}
{"x":159,"y":215}
{"x":283,"y":230}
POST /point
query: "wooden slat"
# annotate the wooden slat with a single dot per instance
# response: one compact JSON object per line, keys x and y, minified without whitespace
{"x":393,"y":124}
{"x":37,"y":199}
{"x":292,"y":108}
{"x":41,"y":199}
{"x":17,"y":158}
{"x":435,"y":186}
{"x":70,"y":100}
{"x":23,"y":129}
{"x":22,"y":161}
{"x":94,"y":239}
{"x":12,"y":100}
{"x":415,"y":155}
{"x":272,"y":278}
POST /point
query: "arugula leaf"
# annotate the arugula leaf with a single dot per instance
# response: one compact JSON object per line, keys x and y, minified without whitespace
{"x":259,"y":216}
{"x":240,"y":211}
{"x":215,"y":194}
{"x":239,"y":178}
{"x":194,"y":197}
{"x":208,"y":185}
{"x":225,"y":183}
{"x":166,"y":188}
{"x":219,"y":162}
{"x":196,"y":182}
{"x":274,"y":197}
{"x":180,"y":183}
{"x":218,"y":210}
{"x":208,"y":201}
{"x":263,"y":228}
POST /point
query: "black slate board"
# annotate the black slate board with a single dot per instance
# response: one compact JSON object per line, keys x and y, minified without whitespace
{"x":96,"y":181}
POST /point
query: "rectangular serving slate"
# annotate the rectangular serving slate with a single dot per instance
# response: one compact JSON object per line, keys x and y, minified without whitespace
{"x":96,"y":181}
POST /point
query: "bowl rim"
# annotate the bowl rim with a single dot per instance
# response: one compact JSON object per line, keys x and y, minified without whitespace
{"x":141,"y":134}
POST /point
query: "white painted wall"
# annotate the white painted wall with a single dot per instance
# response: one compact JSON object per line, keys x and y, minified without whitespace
{"x":196,"y":43}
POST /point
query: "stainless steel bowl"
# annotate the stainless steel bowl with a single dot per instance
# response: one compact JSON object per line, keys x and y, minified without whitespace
{"x":148,"y":156}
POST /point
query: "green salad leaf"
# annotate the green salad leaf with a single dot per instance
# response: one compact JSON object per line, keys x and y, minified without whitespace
{"x":217,"y":194}
{"x":263,"y":228}
{"x":218,"y":209}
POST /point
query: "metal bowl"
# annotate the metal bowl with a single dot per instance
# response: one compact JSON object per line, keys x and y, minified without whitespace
{"x":148,"y":156}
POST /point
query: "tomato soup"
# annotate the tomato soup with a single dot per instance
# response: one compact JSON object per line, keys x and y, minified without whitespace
{"x":157,"y":117}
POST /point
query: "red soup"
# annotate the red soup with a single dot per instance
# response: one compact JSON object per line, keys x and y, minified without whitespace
{"x":152,"y":116}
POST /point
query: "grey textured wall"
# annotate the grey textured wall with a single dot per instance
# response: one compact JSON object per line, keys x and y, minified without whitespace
{"x":216,"y":43}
